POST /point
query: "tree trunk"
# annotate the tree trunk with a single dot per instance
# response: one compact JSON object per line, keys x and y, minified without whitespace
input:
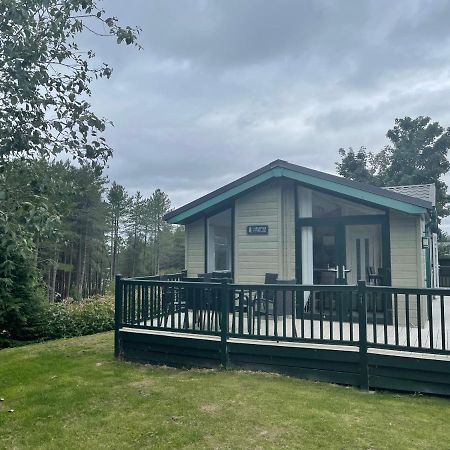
{"x":69,"y":276}
{"x":82,"y":263}
{"x":115,"y":245}
{"x":134,"y":252}
{"x":49,"y":278}
{"x":55,"y":270}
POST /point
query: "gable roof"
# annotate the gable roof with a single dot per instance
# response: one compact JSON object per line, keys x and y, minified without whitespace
{"x":313,"y":178}
{"x":426,"y":192}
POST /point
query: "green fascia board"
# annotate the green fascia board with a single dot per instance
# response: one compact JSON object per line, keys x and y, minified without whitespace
{"x":224,"y":196}
{"x":278,"y":172}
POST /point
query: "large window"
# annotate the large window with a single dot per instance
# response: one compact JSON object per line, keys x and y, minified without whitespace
{"x":326,"y":205}
{"x":341,"y":240}
{"x":219,"y":241}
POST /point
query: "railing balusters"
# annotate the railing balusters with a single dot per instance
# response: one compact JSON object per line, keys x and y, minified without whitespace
{"x":374,"y":316}
{"x":396,"y":318}
{"x":430,"y":319}
{"x":214,"y":293}
{"x":125,"y":303}
{"x":419,"y":321}
{"x":264,"y":312}
{"x":294,"y":313}
{"x":186,"y":308}
{"x":139,"y":305}
{"x":232,"y":300}
{"x":302,"y":314}
{"x":241,"y":311}
{"x":275,"y":313}
{"x":385,"y":318}
{"x":258,"y":299}
{"x":145,"y":307}
{"x":321,"y":300}
{"x":208,"y":314}
{"x":351,"y":315}
{"x":408,"y":322}
{"x":331,"y":317}
{"x":133,"y":320}
{"x":250,"y":313}
{"x":443,"y":330}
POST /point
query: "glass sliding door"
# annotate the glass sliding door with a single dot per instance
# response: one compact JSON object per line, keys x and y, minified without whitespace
{"x":343,"y":250}
{"x":326,"y":255}
{"x":364,"y":253}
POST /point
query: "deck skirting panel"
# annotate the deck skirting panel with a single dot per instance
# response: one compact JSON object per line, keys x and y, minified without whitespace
{"x":336,"y":364}
{"x":170,"y":350}
{"x":409,"y":374}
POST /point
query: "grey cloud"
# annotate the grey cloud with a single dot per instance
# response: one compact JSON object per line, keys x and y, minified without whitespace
{"x":223,"y":87}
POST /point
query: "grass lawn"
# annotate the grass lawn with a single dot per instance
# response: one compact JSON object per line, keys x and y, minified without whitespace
{"x":73,"y":394}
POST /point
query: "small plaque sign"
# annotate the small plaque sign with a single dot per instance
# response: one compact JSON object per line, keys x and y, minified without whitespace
{"x":258,"y":229}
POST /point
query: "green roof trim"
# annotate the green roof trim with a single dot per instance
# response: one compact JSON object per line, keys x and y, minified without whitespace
{"x":221,"y":197}
{"x":281,"y":169}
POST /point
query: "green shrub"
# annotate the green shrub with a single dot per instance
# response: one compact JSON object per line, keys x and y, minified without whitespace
{"x":76,"y":318}
{"x":21,"y":296}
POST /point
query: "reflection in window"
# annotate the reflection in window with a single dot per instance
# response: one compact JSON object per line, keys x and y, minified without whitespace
{"x":325,"y":205}
{"x":219,"y":241}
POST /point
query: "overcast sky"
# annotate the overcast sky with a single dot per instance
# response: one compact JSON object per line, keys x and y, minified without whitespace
{"x":224,"y":87}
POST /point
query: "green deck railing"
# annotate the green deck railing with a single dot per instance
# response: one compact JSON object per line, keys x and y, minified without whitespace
{"x":362,"y":318}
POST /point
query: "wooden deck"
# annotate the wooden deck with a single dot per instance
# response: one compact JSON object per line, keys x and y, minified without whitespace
{"x":189,"y":324}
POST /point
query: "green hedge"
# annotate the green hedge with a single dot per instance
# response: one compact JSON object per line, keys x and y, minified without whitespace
{"x":75,"y":318}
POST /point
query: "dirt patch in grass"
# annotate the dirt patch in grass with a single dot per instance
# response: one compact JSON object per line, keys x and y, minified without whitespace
{"x":210,"y":408}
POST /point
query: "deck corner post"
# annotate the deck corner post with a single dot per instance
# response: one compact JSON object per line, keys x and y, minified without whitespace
{"x":118,"y":298}
{"x":363,"y":359}
{"x":224,"y":291}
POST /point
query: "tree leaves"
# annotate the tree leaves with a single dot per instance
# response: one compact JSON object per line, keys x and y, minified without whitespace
{"x":417,"y":155}
{"x":44,"y":74}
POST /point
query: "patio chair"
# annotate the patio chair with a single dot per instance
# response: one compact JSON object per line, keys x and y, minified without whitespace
{"x":290,"y":304}
{"x":373,"y":277}
{"x":327,"y":278}
{"x":221,"y":274}
{"x":268,"y":296}
{"x":168,"y":301}
{"x":281,"y":298}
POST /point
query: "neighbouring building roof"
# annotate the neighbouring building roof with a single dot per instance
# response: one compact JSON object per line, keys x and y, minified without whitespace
{"x":426,"y":192}
{"x":313,"y":178}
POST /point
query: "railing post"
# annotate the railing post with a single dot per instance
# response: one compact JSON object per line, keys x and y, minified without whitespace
{"x":224,"y":291}
{"x":118,"y":299}
{"x":363,"y":360}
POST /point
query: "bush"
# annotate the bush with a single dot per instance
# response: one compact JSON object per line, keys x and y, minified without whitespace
{"x":21,"y":296}
{"x":76,"y":318}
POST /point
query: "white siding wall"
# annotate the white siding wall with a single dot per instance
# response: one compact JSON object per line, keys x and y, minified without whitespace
{"x":406,"y":253}
{"x":255,"y":255}
{"x":271,"y":205}
{"x":195,"y":247}
{"x":408,"y":261}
